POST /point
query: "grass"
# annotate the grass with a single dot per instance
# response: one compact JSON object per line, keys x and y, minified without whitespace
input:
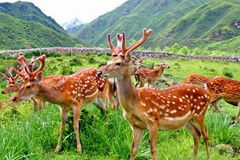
{"x":25,"y":134}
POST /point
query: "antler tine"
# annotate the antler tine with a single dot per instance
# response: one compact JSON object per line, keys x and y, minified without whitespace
{"x":145,"y":36}
{"x":113,"y":49}
{"x":42,"y":65}
{"x":22,"y":60}
{"x":123,"y":43}
{"x":6,"y":77}
{"x":20,"y":73}
{"x":10,"y":72}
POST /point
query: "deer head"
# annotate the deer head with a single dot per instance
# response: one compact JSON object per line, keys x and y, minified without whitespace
{"x":12,"y":85}
{"x":163,"y":65}
{"x":121,"y":63}
{"x":30,"y":87}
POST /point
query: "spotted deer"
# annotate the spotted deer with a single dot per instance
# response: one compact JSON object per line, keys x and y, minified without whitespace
{"x":153,"y":109}
{"x":70,"y":92}
{"x":227,"y":89}
{"x":14,"y":85}
{"x":149,"y":76}
{"x":195,"y":79}
{"x":201,"y":81}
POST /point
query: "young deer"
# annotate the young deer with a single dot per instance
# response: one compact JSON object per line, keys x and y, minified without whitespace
{"x":153,"y":109}
{"x":150,"y":76}
{"x":227,"y":89}
{"x":70,"y":92}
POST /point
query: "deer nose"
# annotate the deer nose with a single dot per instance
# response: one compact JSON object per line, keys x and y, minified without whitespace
{"x":14,"y":99}
{"x":99,"y":73}
{"x":3,"y":92}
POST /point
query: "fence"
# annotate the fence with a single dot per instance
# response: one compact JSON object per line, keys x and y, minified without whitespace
{"x":137,"y":54}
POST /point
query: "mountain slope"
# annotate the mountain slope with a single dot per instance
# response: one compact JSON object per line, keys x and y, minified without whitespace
{"x":134,"y":15}
{"x":194,"y":23}
{"x":16,"y":34}
{"x":29,"y":12}
{"x":23,"y":25}
{"x":213,"y":21}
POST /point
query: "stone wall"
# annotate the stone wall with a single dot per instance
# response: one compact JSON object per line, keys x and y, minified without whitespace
{"x":137,"y":54}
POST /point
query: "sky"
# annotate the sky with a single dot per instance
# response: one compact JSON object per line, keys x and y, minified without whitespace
{"x":65,"y":10}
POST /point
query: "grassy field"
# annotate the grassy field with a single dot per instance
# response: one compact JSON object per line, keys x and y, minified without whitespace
{"x":25,"y":134}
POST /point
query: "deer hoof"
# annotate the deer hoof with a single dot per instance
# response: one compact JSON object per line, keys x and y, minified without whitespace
{"x":79,"y":149}
{"x":57,"y":149}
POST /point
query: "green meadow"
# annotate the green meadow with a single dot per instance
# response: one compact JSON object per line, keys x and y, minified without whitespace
{"x":25,"y":134}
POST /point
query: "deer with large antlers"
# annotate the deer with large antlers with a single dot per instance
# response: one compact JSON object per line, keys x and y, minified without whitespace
{"x":70,"y":92}
{"x":227,"y":89}
{"x":101,"y":101}
{"x":149,"y":76}
{"x":153,"y":109}
{"x":14,"y":85}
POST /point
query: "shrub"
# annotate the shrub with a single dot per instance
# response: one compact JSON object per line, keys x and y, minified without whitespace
{"x":91,"y":60}
{"x":228,"y":74}
{"x":66,"y":70}
{"x":175,"y":48}
{"x":76,"y":61}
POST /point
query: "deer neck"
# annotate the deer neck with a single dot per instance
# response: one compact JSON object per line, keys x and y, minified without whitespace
{"x":126,"y":92}
{"x":160,"y":70}
{"x":50,"y":93}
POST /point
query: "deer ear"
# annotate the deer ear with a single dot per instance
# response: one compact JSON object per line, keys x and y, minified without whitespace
{"x":38,"y":77}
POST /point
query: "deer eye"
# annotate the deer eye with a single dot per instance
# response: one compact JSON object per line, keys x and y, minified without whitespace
{"x":118,"y":64}
{"x":28,"y":86}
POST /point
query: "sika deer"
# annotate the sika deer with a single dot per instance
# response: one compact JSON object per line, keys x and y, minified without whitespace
{"x":70,"y":92}
{"x":227,"y":89}
{"x":149,"y":76}
{"x":201,"y":81}
{"x":12,"y":85}
{"x":153,"y":109}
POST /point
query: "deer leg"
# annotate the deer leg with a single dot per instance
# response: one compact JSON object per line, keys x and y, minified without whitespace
{"x":204,"y":133}
{"x":76,"y":116}
{"x":153,"y":130}
{"x":64,"y":118}
{"x":110,"y":99}
{"x":35,"y":105}
{"x":118,"y":102}
{"x":137,"y":134}
{"x":238,"y":116}
{"x":215,"y":106}
{"x":196,"y":136}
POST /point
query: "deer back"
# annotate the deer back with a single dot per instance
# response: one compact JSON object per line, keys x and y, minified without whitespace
{"x":174,"y":103}
{"x":82,"y":85}
{"x":195,"y":79}
{"x":224,"y":87}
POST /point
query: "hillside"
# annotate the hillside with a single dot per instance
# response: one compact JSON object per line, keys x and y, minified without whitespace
{"x":213,"y":21}
{"x":231,"y":45}
{"x":134,"y":15}
{"x":23,"y":25}
{"x":16,"y":34}
{"x":194,"y":23}
{"x":29,"y":12}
